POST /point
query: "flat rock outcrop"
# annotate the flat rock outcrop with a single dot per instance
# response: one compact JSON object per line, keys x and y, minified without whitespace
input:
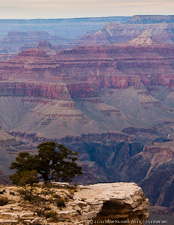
{"x":99,"y":203}
{"x":117,"y":201}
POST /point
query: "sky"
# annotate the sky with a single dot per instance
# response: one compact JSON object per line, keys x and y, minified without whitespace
{"x":29,"y":9}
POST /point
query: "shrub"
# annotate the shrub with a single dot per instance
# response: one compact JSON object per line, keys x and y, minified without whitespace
{"x":3,"y":201}
{"x":48,"y":207}
{"x":75,"y":187}
{"x":71,"y":195}
{"x":55,"y":195}
{"x":66,"y":198}
{"x":72,"y":192}
{"x":45,"y":192}
{"x":60,"y":202}
{"x":2,"y":192}
{"x":12,"y":193}
{"x":40,"y":212}
{"x":52,"y":215}
{"x":24,"y":194}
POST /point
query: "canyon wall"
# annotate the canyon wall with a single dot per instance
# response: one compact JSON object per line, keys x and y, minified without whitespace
{"x":110,"y":102}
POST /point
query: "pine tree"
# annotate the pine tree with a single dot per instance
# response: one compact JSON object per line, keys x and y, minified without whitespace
{"x":54,"y":162}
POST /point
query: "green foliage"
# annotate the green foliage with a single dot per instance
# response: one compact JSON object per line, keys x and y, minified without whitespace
{"x":3,"y":201}
{"x":53,"y":162}
{"x":57,"y":162}
{"x":24,"y":177}
{"x":24,"y":161}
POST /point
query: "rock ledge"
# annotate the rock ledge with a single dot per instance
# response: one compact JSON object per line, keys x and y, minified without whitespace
{"x":108,"y":203}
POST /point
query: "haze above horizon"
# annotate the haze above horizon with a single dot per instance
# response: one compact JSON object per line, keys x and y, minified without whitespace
{"x":33,"y":9}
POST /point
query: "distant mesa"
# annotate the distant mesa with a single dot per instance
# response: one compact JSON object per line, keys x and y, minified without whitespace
{"x":40,"y":34}
{"x":16,"y":41}
{"x":150,"y":19}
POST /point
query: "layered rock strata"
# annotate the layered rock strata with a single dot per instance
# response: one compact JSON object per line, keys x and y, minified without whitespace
{"x":153,"y":169}
{"x":142,"y":60}
{"x":112,"y":33}
{"x":124,"y":202}
{"x":99,"y":203}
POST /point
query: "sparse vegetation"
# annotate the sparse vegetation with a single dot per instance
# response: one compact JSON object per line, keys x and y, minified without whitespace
{"x":72,"y":192}
{"x":75,"y":187}
{"x":55,"y":195}
{"x":46,"y":201}
{"x":60,"y":202}
{"x":48,"y":207}
{"x":26,"y":179}
{"x":3,"y":201}
{"x":52,"y":215}
{"x":12,"y":193}
{"x":2,"y":192}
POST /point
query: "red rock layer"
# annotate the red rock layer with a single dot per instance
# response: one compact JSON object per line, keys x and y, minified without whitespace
{"x":84,"y":70}
{"x":43,"y":90}
{"x":30,"y":60}
{"x":121,"y":66}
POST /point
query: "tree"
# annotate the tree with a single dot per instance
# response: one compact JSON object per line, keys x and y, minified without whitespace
{"x":25,"y":175}
{"x":53,"y":162}
{"x":24,"y":161}
{"x":56,"y":162}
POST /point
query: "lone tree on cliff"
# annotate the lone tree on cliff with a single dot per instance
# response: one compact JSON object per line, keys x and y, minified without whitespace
{"x":54,"y":162}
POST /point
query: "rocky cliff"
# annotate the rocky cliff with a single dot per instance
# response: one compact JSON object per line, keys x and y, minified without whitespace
{"x":42,"y":77}
{"x":112,"y":33}
{"x":141,"y":60}
{"x":121,"y":202}
{"x":155,"y":167}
